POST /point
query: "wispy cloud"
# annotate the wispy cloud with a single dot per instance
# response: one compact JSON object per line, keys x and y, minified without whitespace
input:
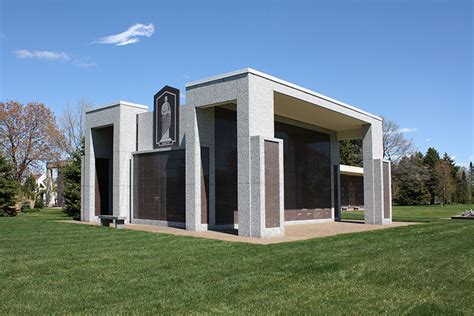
{"x":85,"y":62}
{"x":41,"y":54}
{"x":407,"y":130}
{"x":400,"y":130}
{"x":130,"y":36}
{"x":428,"y":140}
{"x":82,"y":62}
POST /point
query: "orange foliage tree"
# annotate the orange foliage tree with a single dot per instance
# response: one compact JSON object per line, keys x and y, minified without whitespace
{"x":28,"y":136}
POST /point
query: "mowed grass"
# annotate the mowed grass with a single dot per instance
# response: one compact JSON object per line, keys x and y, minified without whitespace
{"x":50,"y":267}
{"x":422,"y":213}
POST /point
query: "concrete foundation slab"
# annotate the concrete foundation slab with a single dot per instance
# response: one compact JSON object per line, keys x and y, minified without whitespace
{"x":292,"y":232}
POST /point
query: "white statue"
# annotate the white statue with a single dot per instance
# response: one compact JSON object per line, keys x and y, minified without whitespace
{"x":165,"y":122}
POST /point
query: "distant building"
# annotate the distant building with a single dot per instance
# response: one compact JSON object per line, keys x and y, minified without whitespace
{"x":54,"y":195}
{"x":40,"y":185}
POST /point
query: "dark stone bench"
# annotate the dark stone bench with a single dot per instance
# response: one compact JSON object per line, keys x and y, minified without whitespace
{"x":106,"y":220}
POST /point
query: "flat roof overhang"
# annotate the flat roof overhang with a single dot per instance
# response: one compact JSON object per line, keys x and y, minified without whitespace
{"x":301,"y":104}
{"x":303,"y":111}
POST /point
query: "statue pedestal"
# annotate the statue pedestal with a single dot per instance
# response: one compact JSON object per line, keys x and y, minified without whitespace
{"x":165,"y":142}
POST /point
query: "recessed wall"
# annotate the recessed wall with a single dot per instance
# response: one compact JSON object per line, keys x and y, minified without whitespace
{"x":225,"y":166}
{"x":307,"y":168}
{"x":159,"y":190}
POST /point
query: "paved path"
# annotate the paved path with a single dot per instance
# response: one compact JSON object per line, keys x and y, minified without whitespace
{"x":292,"y":232}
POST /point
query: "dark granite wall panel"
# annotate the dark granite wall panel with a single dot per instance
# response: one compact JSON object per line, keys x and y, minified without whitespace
{"x":159,"y":190}
{"x":337,"y":180}
{"x":103,"y":187}
{"x":386,"y":190}
{"x":272,"y":185}
{"x":307,"y":167}
{"x":225,"y":165}
{"x":352,"y":190}
{"x":204,"y":185}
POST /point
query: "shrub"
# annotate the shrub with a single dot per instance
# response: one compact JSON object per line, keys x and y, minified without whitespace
{"x":31,"y":210}
{"x":39,"y":203}
{"x":25,"y":206}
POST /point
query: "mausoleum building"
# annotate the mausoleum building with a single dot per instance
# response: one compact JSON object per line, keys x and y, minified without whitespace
{"x":247,"y":151}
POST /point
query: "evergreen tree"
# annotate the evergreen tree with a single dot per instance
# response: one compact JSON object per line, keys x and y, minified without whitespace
{"x":450,"y":161}
{"x":29,"y":187}
{"x":72,"y":184}
{"x":8,"y":188}
{"x":471,"y":180}
{"x":411,"y":176}
{"x":463,"y":188}
{"x":350,"y":152}
{"x":430,"y":160}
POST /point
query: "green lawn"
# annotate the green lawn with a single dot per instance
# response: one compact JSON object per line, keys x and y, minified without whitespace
{"x":423,"y":213}
{"x":50,"y":267}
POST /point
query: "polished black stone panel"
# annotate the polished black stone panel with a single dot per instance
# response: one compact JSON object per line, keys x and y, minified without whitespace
{"x":103,"y":187}
{"x":166,"y":117}
{"x":336,"y":188}
{"x":225,"y":165}
{"x":352,"y":190}
{"x":204,"y":185}
{"x":159,"y":190}
{"x":307,"y":167}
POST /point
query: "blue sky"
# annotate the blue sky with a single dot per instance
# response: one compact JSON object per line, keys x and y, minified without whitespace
{"x":410,"y":61}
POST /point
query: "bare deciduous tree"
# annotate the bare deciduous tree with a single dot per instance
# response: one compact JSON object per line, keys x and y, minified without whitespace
{"x":444,"y":181}
{"x":72,"y":124}
{"x":28,"y":136}
{"x":395,"y":145}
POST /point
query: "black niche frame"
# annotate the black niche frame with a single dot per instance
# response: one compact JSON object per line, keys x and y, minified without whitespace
{"x":174,"y":116}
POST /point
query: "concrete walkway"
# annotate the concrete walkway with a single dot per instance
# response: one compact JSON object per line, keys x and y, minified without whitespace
{"x":292,"y":232}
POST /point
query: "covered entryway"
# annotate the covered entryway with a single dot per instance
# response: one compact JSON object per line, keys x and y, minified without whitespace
{"x":306,"y":128}
{"x":110,"y":139}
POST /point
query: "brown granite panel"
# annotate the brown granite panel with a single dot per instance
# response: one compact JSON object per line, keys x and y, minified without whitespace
{"x":386,"y":190}
{"x":272,"y":185}
{"x":322,"y":214}
{"x":302,"y":215}
{"x":225,"y":165}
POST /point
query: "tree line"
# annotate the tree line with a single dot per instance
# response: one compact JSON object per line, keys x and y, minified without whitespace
{"x":430,"y":179}
{"x":31,"y":136}
{"x":417,"y":178}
